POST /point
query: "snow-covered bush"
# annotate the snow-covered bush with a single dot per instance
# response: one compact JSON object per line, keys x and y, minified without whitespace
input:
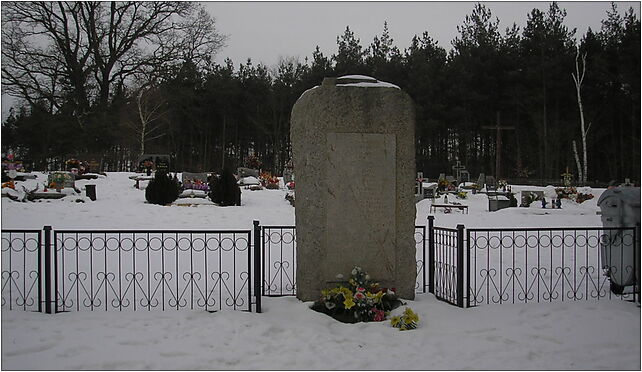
{"x":224,"y":189}
{"x":162,"y":189}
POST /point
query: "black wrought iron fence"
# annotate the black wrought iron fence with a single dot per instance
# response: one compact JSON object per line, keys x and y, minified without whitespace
{"x":446,"y":277}
{"x":278,"y":245}
{"x":551,"y":264}
{"x":21,"y":267}
{"x":420,"y":244}
{"x":146,"y":270}
{"x":107,"y":270}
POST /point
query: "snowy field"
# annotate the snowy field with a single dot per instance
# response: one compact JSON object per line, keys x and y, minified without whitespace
{"x":571,"y":335}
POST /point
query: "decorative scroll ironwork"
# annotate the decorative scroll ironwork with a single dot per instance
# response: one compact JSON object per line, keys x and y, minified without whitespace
{"x":147,"y":270}
{"x":420,"y":244}
{"x":279,"y":260}
{"x":445,"y":264}
{"x":556,"y":264}
{"x":21,"y":267}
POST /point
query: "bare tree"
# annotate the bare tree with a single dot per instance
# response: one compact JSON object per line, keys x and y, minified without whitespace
{"x":578,"y":78}
{"x":150,"y":109}
{"x":74,"y":52}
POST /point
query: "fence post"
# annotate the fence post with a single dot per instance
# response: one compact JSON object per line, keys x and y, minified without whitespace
{"x":431,"y":254}
{"x":257,"y":265}
{"x":636,"y":263}
{"x":423,"y":259}
{"x":47,"y":270}
{"x":460,"y":265}
{"x":40,"y":245}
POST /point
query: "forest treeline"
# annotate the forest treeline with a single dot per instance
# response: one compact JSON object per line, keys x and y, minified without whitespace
{"x":208,"y":115}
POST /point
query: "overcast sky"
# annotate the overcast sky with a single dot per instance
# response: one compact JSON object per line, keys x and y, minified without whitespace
{"x":268,"y":31}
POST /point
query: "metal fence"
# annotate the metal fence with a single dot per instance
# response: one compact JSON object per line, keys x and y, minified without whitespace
{"x":107,"y":270}
{"x":21,"y":267}
{"x":446,"y":266}
{"x":549,"y":264}
{"x":471,"y":267}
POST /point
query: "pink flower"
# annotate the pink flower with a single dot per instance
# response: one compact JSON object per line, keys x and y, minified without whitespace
{"x":379,"y":315}
{"x":359,"y":296}
{"x":361,"y":289}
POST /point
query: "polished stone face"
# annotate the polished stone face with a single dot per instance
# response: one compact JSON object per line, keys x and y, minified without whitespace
{"x":353,"y":149}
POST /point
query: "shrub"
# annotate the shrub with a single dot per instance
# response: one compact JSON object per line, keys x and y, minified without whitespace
{"x":224,"y":189}
{"x":162,"y":189}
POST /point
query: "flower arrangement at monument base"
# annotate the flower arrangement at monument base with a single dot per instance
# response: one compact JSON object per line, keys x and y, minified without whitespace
{"x":357,"y":300}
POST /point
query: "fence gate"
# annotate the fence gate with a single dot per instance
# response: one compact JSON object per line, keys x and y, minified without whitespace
{"x":446,"y":250}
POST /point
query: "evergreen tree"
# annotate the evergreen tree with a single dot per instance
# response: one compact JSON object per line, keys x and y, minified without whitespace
{"x":350,"y":56}
{"x":224,"y":189}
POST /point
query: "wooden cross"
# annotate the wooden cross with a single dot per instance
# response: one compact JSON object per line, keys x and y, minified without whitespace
{"x":498,"y":146}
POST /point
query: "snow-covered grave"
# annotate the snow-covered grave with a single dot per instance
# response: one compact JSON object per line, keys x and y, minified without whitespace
{"x":586,"y":334}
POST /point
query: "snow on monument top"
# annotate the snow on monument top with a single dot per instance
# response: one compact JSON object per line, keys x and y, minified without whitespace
{"x":363,"y":82}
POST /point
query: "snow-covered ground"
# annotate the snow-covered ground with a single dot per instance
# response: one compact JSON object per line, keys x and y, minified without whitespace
{"x":287,"y":335}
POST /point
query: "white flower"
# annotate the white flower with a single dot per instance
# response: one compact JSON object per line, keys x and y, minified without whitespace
{"x":367,"y":277}
{"x":330,"y":305}
{"x":354,"y":271}
{"x":339,"y":276}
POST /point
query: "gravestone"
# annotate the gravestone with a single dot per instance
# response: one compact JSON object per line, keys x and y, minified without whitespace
{"x":491,"y":184}
{"x":61,"y":180}
{"x":353,"y":151}
{"x":529,"y":196}
{"x":195,"y":181}
{"x":481,"y":181}
{"x":247,"y":172}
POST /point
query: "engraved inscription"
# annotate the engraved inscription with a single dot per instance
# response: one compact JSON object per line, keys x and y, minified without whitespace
{"x":360,"y":204}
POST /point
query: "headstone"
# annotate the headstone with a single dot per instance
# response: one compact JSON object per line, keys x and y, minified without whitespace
{"x":353,"y":148}
{"x":194,"y":181}
{"x":464,"y":176}
{"x":491,"y":184}
{"x":529,"y":196}
{"x":246,"y":172}
{"x":481,"y":181}
{"x":162,"y":165}
{"x":61,"y":180}
{"x":94,"y":166}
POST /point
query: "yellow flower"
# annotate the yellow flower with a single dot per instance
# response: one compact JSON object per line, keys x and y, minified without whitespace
{"x":395,"y":320}
{"x":410,"y":315}
{"x":348,"y":303}
{"x":375,"y":296}
{"x":325,"y":293}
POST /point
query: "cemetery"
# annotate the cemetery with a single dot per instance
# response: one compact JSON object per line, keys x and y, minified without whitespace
{"x":353,"y":248}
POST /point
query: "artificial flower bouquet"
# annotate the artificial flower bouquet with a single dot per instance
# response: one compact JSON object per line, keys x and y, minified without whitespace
{"x":408,"y":320}
{"x":357,"y":300}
